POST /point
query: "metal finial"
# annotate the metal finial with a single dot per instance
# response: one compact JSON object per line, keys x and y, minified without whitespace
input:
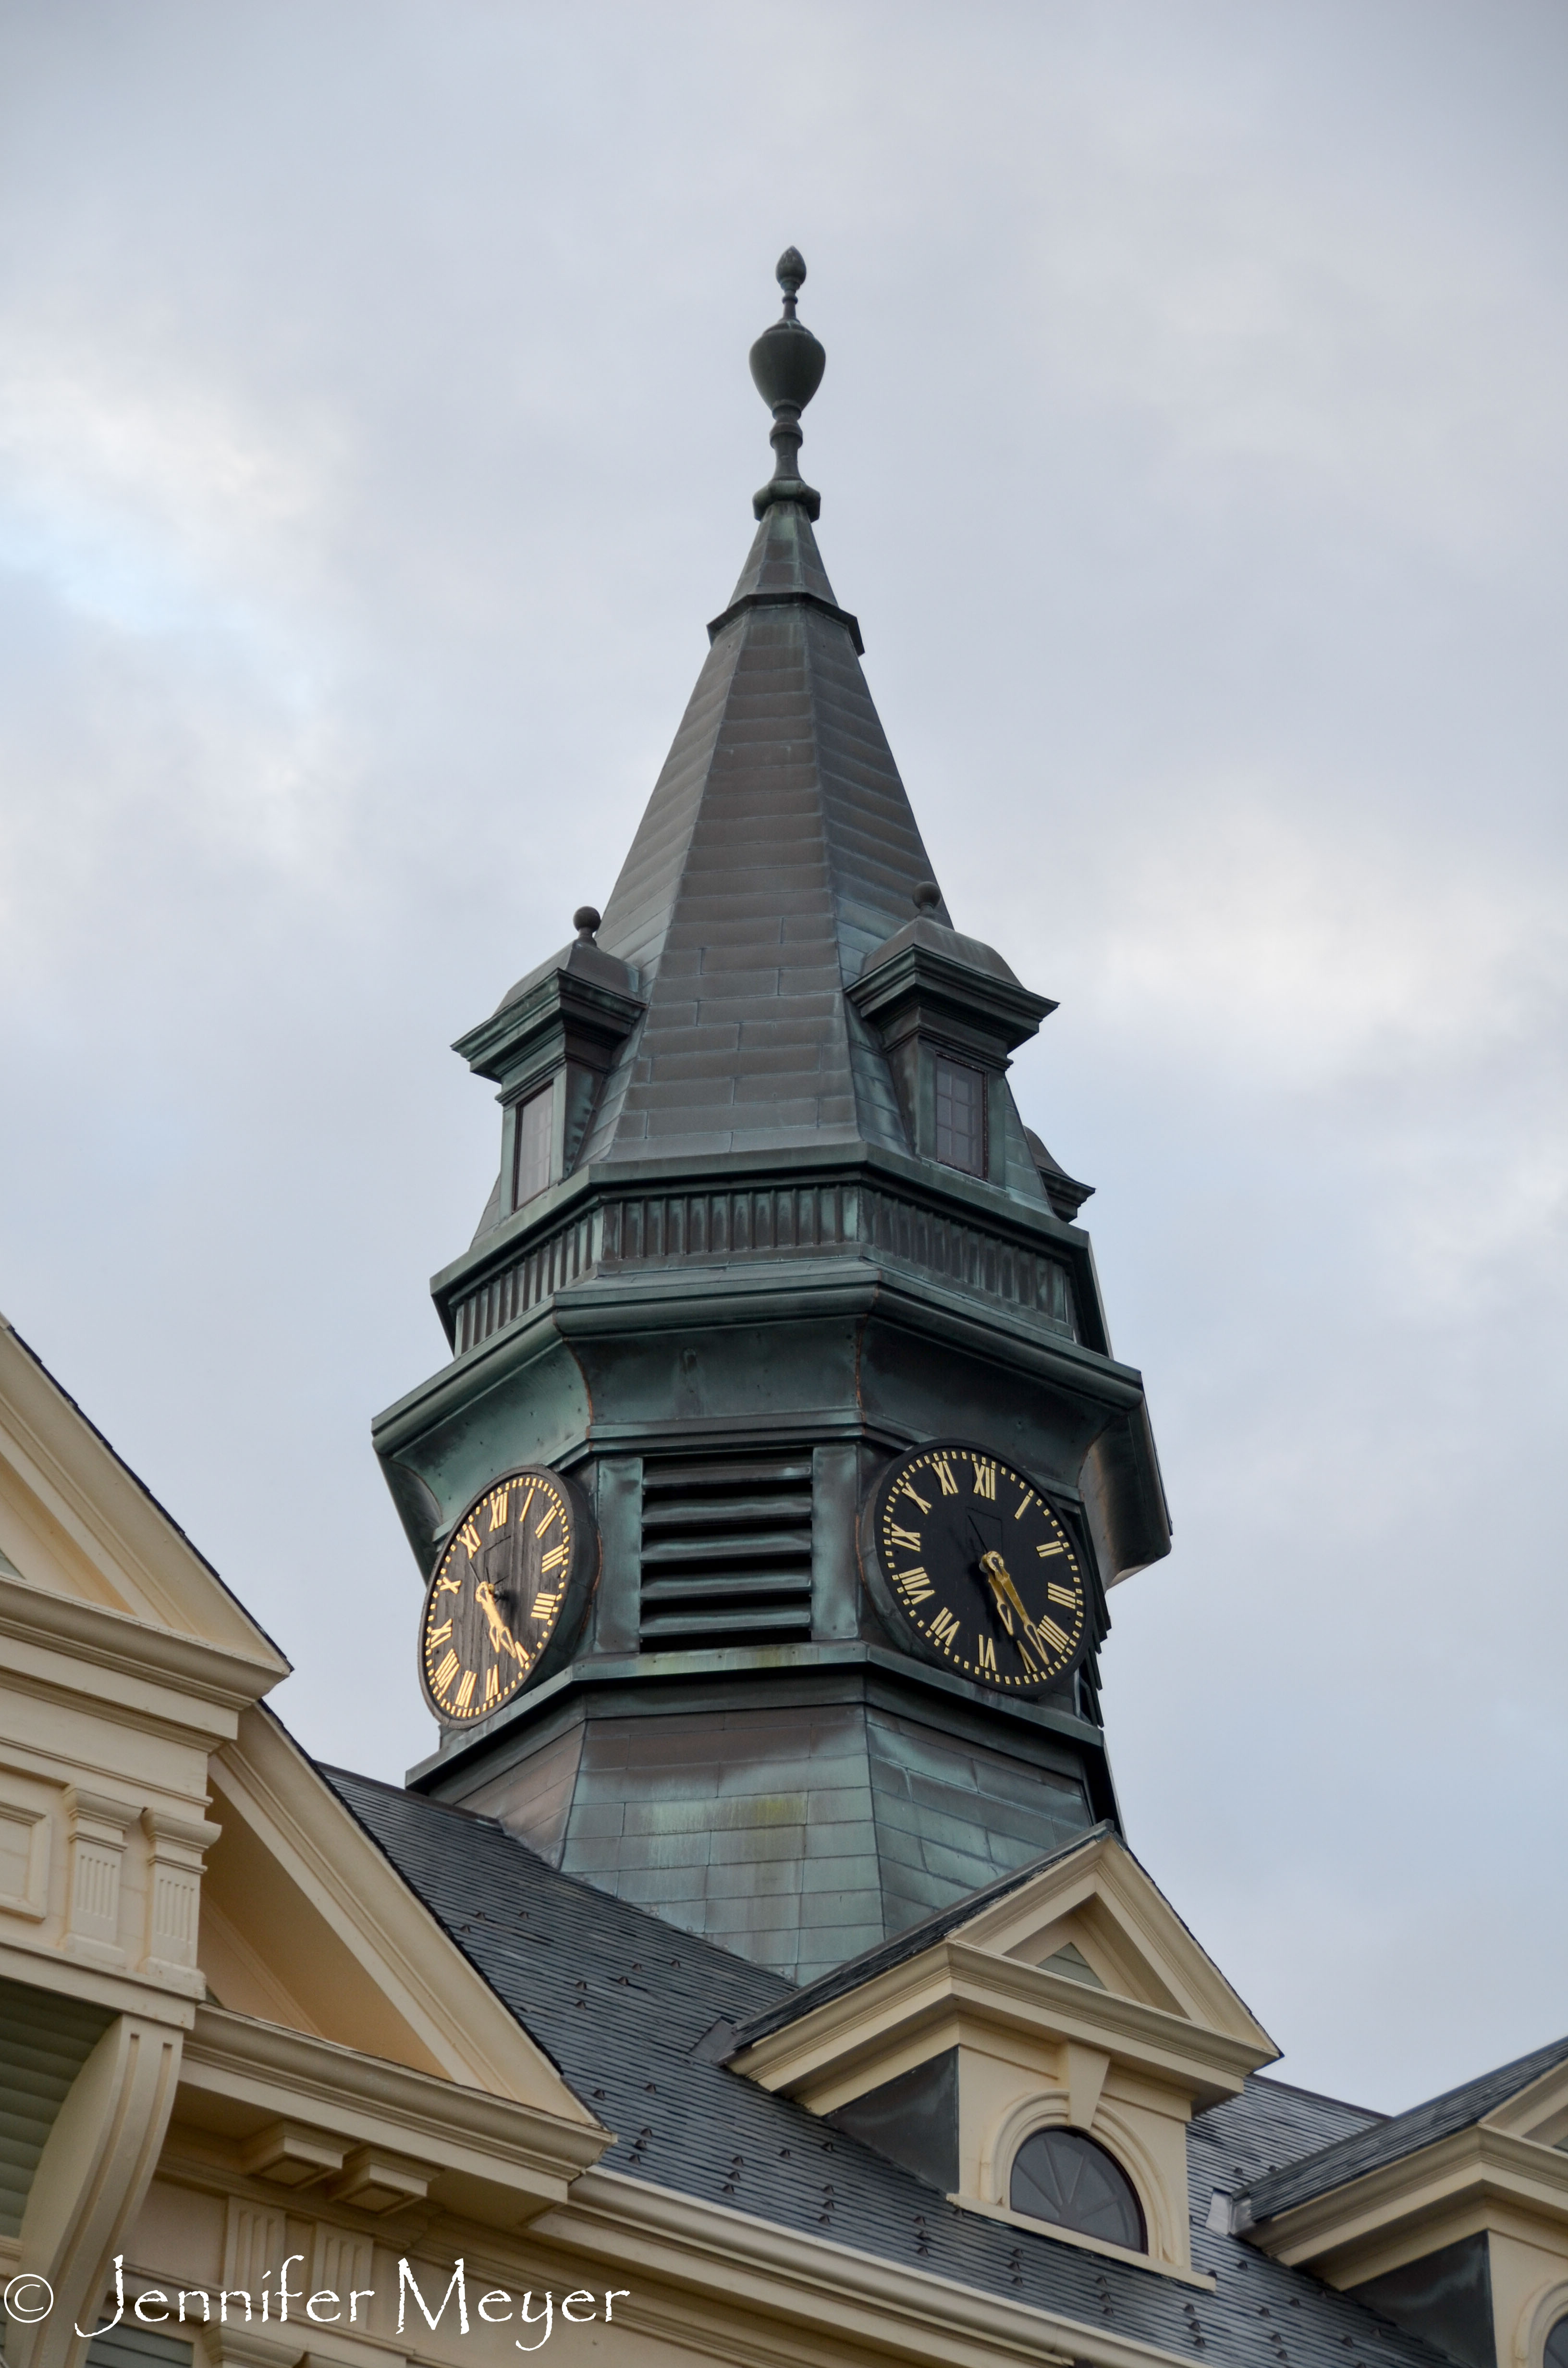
{"x":586,"y":921}
{"x":927,"y":895}
{"x":787,"y":364}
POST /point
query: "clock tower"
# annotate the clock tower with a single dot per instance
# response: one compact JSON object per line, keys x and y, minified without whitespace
{"x":768,"y":1503}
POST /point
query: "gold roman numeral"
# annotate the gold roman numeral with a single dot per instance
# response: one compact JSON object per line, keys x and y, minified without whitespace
{"x":944,"y":1627}
{"x":553,"y":1514}
{"x":440,"y":1636}
{"x":465,"y":1692}
{"x":944,"y":1472}
{"x":1025,"y":1501}
{"x":1061,"y":1594}
{"x":1025,"y":1656}
{"x":1051,"y":1638}
{"x":492,"y":1684}
{"x":447,"y":1672}
{"x":544,"y":1606}
{"x":914,"y":1584}
{"x":498,"y":1510}
{"x":988,"y":1656}
{"x":554,"y":1558}
{"x":469,"y":1536}
{"x":984,"y":1477}
{"x":449,"y":1587}
{"x":910,"y":1538}
{"x":909,"y":1490}
{"x":1056,"y":1546}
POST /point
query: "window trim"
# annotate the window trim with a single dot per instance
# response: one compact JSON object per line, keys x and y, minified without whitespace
{"x":544,"y":1094}
{"x":941,"y":1060}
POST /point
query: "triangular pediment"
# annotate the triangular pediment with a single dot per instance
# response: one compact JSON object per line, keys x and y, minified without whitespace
{"x":305,"y":1923}
{"x":1092,"y":1915}
{"x":1539,"y":2113}
{"x":77,"y":1526}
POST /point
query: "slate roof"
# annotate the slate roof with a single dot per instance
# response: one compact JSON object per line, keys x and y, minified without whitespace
{"x":622,"y":2003}
{"x":1405,"y":2134}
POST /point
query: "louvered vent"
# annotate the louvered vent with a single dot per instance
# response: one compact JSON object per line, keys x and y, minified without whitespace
{"x":726,"y":1552}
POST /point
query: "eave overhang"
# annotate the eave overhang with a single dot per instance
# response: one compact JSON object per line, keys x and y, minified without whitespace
{"x":813,"y":2290}
{"x":838,"y":2050}
{"x":62,"y":1646}
{"x":486,"y":2157}
{"x":1337,"y":2232}
{"x":923,"y":989}
{"x":566,"y":1015}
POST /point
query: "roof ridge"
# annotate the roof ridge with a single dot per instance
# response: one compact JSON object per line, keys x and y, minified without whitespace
{"x":1422,"y":2124}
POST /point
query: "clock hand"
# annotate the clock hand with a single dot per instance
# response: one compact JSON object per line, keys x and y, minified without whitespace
{"x":501,"y":1637}
{"x":1002,"y":1585}
{"x":996,"y":1571}
{"x":1002,"y":1614}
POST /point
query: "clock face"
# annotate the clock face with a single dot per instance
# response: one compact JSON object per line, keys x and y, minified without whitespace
{"x":978,"y":1564}
{"x":499,"y":1591}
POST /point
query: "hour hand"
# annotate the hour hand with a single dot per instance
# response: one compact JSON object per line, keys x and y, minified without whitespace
{"x":1002,"y":1588}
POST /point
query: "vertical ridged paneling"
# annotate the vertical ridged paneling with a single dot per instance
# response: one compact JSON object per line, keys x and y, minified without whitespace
{"x":771,"y":1220}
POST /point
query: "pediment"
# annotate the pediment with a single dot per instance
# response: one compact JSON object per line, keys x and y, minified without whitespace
{"x":306,"y":1924}
{"x":78,"y":1527}
{"x":1539,"y":2113}
{"x":1082,"y":1959}
{"x":1094,"y":1916}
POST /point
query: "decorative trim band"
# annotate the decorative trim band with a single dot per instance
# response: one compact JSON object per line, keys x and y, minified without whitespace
{"x":666,"y":1229}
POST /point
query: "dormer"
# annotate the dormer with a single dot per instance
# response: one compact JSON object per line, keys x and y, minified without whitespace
{"x":1451,"y":2219}
{"x":1035,"y":2052}
{"x":948,"y":1012}
{"x":549,"y":1045}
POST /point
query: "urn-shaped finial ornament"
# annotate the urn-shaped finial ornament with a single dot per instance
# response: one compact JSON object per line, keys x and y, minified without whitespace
{"x":787,"y":364}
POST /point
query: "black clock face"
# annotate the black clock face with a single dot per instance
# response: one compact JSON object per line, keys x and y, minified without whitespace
{"x":979,"y":1565}
{"x":500,"y":1591}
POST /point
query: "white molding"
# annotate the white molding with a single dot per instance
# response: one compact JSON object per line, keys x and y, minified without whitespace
{"x":823,"y":2287}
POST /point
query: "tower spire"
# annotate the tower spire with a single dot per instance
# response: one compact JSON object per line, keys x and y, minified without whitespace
{"x":787,"y":364}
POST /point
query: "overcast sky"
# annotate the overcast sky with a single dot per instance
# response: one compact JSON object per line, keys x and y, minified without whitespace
{"x":375,"y":440}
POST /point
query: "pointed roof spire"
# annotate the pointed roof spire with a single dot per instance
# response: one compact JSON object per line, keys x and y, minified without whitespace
{"x":787,"y":364}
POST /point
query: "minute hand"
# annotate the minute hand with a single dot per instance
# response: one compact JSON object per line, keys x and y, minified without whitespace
{"x":1001,"y":1580}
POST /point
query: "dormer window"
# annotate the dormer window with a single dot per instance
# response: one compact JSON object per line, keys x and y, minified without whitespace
{"x":1064,"y":2178}
{"x":532,"y":1158}
{"x":947,"y":1011}
{"x":960,"y":1116}
{"x":1036,"y":2052}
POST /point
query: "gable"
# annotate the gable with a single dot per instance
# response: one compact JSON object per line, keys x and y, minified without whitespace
{"x":76,"y":1523}
{"x":306,"y":1923}
{"x":1094,"y":1912}
{"x":1539,"y":2113}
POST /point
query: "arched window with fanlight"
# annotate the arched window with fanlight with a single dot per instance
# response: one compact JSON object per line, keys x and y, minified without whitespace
{"x":1556,"y":2353}
{"x":1063,"y":2176}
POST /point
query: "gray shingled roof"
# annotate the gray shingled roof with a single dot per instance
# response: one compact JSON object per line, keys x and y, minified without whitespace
{"x":623,"y":2003}
{"x":1403,"y":2134}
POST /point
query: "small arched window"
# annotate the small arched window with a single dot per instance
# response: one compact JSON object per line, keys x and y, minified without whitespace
{"x":1557,"y":2346}
{"x":1065,"y":2177}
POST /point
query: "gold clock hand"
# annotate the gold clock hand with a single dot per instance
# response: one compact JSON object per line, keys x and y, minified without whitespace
{"x":1001,"y":1580}
{"x":501,"y":1637}
{"x":999,"y":1598}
